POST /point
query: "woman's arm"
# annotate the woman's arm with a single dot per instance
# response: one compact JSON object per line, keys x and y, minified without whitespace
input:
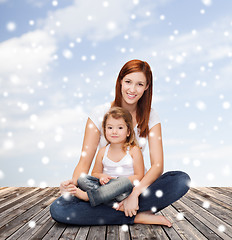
{"x":130,"y":204}
{"x":156,"y":158}
{"x":89,"y":147}
{"x":138,"y":164}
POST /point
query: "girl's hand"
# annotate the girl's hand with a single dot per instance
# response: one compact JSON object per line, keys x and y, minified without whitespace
{"x":130,"y":205}
{"x":105,"y":179}
{"x":66,"y":186}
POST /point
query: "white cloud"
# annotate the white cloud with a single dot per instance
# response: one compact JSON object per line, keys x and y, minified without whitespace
{"x":96,"y":22}
{"x":24,"y":58}
{"x":27,"y":133}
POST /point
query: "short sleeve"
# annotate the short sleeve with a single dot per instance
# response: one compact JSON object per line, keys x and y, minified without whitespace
{"x":98,"y":113}
{"x":154,"y":118}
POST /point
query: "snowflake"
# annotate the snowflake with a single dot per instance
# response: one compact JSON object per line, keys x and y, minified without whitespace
{"x":154,"y":209}
{"x":221,"y":228}
{"x":124,"y":228}
{"x":105,"y":4}
{"x":31,"y":22}
{"x":2,"y":175}
{"x":115,"y":205}
{"x":226,"y":105}
{"x":192,"y":126}
{"x":202,"y":11}
{"x":136,"y":182}
{"x":207,"y":2}
{"x":11,"y":26}
{"x":31,"y":182}
{"x":43,"y":185}
{"x":159,"y":193}
{"x":8,"y":144}
{"x":45,"y":160}
{"x":67,"y":54}
{"x":32,"y":224}
{"x":206,"y":204}
{"x":67,"y":196}
{"x":201,"y":105}
{"x":41,"y":145}
{"x":180,"y":216}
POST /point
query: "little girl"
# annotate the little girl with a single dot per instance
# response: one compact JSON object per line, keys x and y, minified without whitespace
{"x":118,"y":166}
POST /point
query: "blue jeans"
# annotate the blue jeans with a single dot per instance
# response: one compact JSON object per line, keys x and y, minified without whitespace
{"x":114,"y":191}
{"x":173,"y":185}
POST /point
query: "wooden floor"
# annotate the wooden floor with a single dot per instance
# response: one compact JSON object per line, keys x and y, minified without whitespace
{"x":203,"y":213}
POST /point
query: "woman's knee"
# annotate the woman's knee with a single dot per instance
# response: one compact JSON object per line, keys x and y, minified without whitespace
{"x":182,"y":181}
{"x":54,"y":210}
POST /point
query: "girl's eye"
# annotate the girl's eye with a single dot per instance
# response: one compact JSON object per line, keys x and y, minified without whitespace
{"x":120,"y":127}
{"x":109,"y":127}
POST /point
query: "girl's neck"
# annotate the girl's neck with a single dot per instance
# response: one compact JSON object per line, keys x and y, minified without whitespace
{"x":116,"y":146}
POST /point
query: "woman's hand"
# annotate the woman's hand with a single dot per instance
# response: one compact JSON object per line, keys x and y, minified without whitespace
{"x":67,"y":186}
{"x":130,"y":205}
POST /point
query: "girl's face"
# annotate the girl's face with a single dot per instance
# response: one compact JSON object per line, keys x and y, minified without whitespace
{"x":133,"y":86}
{"x":116,"y":130}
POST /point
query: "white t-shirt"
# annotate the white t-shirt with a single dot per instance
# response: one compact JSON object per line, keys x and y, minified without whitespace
{"x":97,"y":117}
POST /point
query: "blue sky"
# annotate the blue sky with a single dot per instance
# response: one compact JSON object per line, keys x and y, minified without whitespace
{"x":60,"y":59}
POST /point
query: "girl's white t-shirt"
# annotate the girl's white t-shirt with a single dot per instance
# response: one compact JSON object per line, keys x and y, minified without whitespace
{"x":97,"y":117}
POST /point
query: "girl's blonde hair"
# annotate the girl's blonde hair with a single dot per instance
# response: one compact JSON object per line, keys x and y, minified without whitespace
{"x":116,"y":113}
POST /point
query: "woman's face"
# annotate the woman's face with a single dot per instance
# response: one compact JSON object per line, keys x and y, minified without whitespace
{"x":133,"y":86}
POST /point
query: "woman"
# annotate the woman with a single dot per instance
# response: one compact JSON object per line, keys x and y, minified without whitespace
{"x":155,"y":191}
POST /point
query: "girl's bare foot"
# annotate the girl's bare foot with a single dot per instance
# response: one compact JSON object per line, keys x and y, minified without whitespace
{"x":151,"y":218}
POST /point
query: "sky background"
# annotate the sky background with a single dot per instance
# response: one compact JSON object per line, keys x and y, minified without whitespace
{"x":60,"y":59}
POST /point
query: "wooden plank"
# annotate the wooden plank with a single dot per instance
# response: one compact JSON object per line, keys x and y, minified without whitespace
{"x":184,"y":229}
{"x":206,"y":217}
{"x":158,"y":232}
{"x":82,"y":233}
{"x":215,"y":209}
{"x":6,"y":191}
{"x":25,"y":232}
{"x":97,"y":233}
{"x":142,"y":231}
{"x":196,"y":220}
{"x":43,"y":230}
{"x":12,"y":198}
{"x":124,"y":234}
{"x":55,"y":232}
{"x":27,"y":215}
{"x":69,"y":233}
{"x":223,"y":191}
{"x":112,"y":232}
{"x":18,"y":209}
{"x":215,"y":196}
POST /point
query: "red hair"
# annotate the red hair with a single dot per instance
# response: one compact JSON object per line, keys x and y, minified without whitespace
{"x":144,"y":103}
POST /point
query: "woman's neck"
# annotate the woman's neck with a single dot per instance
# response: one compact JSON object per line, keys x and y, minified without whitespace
{"x":130,"y":107}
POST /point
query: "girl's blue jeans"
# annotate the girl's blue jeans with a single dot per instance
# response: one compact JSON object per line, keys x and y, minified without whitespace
{"x":114,"y":191}
{"x":172,"y":185}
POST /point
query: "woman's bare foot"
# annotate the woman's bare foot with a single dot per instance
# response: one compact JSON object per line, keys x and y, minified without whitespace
{"x":81,"y":194}
{"x":151,"y":218}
